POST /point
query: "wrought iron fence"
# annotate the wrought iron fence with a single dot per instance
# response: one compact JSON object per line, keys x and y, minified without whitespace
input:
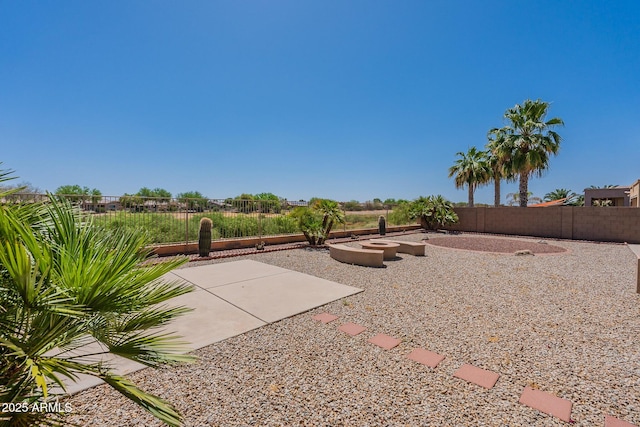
{"x":176,"y":220}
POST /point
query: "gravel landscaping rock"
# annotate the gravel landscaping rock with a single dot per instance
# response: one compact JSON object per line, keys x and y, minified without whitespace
{"x":567,"y":324}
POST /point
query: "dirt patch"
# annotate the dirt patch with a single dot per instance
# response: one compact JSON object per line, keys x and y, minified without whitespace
{"x":494,"y":244}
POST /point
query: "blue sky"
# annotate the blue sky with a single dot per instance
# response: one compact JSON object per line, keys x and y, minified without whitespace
{"x":340,"y":99}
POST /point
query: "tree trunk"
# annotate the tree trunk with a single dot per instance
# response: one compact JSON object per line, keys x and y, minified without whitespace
{"x":471,"y":195}
{"x":524,"y":189}
{"x":496,"y":192}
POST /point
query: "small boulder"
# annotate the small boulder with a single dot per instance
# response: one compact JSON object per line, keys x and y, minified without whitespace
{"x":523,"y":252}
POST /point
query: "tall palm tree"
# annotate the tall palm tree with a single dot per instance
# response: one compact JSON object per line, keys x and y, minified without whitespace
{"x":529,"y":140}
{"x":64,"y":283}
{"x":498,"y":161}
{"x":470,"y":169}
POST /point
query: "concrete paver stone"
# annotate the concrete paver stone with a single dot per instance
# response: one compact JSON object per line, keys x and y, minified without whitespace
{"x":384,"y":341}
{"x":547,"y":403}
{"x":425,"y":357}
{"x":611,"y":421}
{"x":352,"y":329}
{"x":479,"y":376}
{"x":325,"y":317}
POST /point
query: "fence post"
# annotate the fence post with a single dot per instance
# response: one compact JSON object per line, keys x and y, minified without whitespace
{"x":344,"y":224}
{"x":259,"y":220}
{"x":186,"y":226}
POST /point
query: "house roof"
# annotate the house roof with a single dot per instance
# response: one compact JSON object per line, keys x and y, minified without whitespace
{"x":558,"y":202}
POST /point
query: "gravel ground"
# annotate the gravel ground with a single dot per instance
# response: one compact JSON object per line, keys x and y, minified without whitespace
{"x":565,"y":323}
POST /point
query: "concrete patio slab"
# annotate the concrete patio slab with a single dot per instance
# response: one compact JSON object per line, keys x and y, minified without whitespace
{"x":120,"y":365}
{"x":230,"y":299}
{"x":213,"y":275}
{"x":211,"y":320}
{"x":274,"y":297}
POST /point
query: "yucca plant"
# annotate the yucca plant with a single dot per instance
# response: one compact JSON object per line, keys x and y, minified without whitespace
{"x":65,"y":283}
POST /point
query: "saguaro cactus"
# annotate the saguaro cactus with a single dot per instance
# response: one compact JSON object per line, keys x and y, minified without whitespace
{"x":204,"y":237}
{"x":382,"y":225}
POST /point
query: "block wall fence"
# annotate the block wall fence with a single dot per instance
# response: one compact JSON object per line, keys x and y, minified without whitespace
{"x":604,"y":224}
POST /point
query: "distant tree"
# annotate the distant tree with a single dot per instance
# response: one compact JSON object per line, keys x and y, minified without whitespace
{"x":529,"y":139}
{"x":559,"y":193}
{"x":244,"y":203}
{"x":390,"y":202}
{"x":145,"y":192}
{"x":193,"y":200}
{"x":162,"y":194}
{"x":576,"y":200}
{"x":269,"y":202}
{"x":470,"y":169}
{"x":22,"y":187}
{"x":603,"y":186}
{"x":513,"y":199}
{"x":23,"y":191}
{"x":352,"y":205}
{"x":157,"y":193}
{"x":77,"y":193}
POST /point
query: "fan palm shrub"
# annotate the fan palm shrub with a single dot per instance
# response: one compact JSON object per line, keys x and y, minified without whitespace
{"x":433,"y":212}
{"x":317,"y":221}
{"x":65,"y":283}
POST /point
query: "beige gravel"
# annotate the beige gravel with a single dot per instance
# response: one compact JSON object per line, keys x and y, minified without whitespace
{"x":566,"y":323}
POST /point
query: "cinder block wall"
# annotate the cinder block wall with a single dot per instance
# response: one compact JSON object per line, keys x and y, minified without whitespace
{"x":606,"y":224}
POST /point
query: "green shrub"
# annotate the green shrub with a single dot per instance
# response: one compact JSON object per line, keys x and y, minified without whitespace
{"x":401,"y":214}
{"x":433,"y":211}
{"x":63,"y":280}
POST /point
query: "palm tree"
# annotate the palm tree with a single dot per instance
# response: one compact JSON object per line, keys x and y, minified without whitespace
{"x":513,"y":199}
{"x":559,"y":193}
{"x":471,"y":169}
{"x":498,"y":161}
{"x":529,"y":140}
{"x":65,"y":283}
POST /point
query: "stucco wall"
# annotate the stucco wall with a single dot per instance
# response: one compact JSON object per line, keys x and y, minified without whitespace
{"x":606,"y":224}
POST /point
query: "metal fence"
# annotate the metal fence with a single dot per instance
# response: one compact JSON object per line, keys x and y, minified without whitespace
{"x":171,"y":220}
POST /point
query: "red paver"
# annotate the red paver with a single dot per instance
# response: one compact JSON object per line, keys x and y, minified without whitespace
{"x":611,"y":421}
{"x":547,"y":403}
{"x":352,"y":328}
{"x":425,"y":357}
{"x":384,"y":341}
{"x":479,"y":376}
{"x":325,"y":317}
